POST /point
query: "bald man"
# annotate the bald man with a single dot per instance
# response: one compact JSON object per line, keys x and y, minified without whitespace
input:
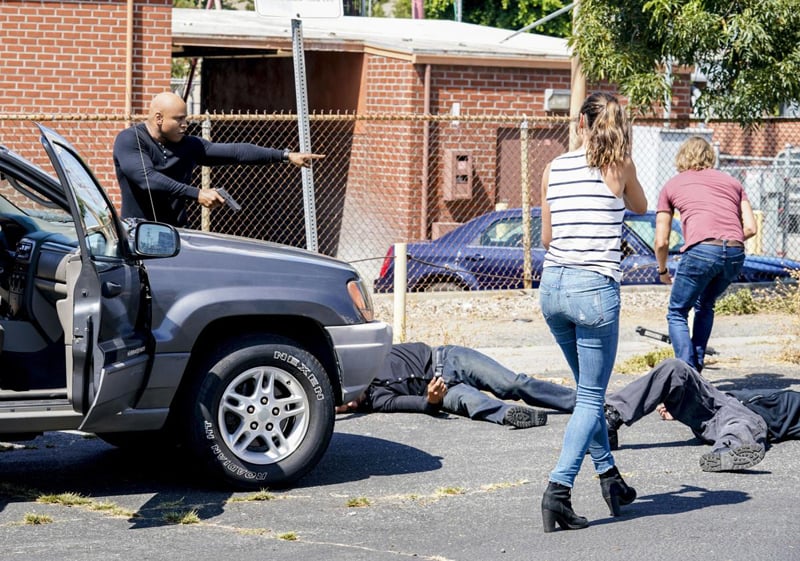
{"x":154,"y":161}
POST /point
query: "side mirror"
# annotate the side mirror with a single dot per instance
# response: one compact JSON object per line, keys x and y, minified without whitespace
{"x":152,"y":239}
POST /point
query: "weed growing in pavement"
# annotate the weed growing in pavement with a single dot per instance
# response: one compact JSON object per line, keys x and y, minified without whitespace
{"x":642,"y":363}
{"x":190,"y":517}
{"x":262,"y":495}
{"x":450,"y":491}
{"x":75,"y":499}
{"x":288,"y":536}
{"x":65,"y":499}
{"x":358,"y":502}
{"x":37,"y":519}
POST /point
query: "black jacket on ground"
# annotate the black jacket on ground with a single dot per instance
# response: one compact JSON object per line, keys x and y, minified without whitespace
{"x":402,"y":383}
{"x":781,"y":411}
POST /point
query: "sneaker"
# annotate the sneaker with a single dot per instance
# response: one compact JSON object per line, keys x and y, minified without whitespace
{"x":613,"y":421}
{"x":732,"y":459}
{"x":524,"y":417}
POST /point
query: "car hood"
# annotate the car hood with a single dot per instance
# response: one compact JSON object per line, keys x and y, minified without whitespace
{"x":243,"y":275}
{"x":233,"y":253}
{"x":763,"y":263}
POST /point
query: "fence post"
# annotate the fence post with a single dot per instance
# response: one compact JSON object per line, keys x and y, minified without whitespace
{"x":205,"y":178}
{"x":400,"y":285}
{"x":527,"y":265}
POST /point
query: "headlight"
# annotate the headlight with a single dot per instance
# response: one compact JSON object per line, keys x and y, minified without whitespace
{"x":361,"y":299}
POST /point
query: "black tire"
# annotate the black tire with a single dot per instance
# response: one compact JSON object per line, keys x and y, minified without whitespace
{"x":270,"y":441}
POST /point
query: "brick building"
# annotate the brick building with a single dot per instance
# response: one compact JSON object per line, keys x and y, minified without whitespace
{"x":72,"y":57}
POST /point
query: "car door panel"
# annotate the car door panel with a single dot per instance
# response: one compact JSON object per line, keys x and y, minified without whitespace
{"x":109,"y":337}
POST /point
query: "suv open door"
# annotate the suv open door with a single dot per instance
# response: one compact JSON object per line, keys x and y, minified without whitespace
{"x":105,"y":314}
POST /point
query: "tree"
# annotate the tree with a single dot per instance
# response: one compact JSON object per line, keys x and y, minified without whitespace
{"x":748,"y":50}
{"x":505,"y":14}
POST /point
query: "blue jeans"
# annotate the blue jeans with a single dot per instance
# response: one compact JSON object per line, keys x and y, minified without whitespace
{"x":469,"y":373}
{"x":582,"y":310}
{"x":703,"y":274}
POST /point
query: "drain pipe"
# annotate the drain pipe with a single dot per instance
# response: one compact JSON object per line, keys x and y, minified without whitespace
{"x":426,"y":136}
{"x":129,"y":62}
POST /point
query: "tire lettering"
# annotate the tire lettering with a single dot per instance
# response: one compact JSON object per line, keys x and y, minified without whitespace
{"x":234,"y":468}
{"x":294,"y":361}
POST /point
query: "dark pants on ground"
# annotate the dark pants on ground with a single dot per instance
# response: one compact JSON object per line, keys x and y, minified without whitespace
{"x":469,"y":373}
{"x":714,"y":417}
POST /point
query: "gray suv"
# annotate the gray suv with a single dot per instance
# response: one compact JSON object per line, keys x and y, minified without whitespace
{"x":233,"y":349}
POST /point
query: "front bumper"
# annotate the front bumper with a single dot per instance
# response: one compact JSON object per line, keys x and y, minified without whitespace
{"x":361,"y":350}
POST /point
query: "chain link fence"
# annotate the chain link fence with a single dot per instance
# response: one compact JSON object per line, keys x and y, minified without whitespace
{"x":452,"y":188}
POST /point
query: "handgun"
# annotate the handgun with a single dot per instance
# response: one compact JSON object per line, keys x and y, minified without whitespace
{"x":230,"y":201}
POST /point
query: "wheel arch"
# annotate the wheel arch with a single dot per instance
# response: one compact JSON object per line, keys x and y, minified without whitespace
{"x":306,"y":332}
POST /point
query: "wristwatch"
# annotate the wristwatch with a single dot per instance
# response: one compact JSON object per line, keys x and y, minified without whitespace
{"x":285,"y":157}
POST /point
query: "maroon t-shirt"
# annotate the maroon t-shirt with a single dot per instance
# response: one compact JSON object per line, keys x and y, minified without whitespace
{"x":709,"y":202}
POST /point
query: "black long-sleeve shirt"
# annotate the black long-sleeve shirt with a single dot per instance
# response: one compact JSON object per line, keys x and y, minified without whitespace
{"x":402,"y":384}
{"x":165,"y":170}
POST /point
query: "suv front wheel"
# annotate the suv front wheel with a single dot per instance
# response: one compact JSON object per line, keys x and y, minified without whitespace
{"x":262,"y":414}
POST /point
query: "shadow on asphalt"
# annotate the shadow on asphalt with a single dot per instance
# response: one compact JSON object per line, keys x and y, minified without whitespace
{"x":756,"y":380}
{"x":351,"y":457}
{"x":685,"y":499}
{"x":58,"y":463}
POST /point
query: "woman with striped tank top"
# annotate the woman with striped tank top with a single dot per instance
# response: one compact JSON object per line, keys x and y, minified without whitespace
{"x":584,"y":197}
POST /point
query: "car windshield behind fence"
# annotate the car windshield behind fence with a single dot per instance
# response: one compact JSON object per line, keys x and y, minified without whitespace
{"x":645,"y":228}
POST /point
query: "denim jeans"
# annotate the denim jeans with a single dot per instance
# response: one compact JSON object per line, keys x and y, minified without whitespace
{"x":704,"y":272}
{"x":469,"y":373}
{"x":582,"y":310}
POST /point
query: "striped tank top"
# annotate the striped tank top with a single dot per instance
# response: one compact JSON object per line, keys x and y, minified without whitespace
{"x":586,"y":217}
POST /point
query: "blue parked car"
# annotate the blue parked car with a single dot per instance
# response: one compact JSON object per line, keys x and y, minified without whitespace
{"x":486,"y":254}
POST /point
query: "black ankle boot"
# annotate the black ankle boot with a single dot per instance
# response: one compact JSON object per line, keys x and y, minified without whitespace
{"x":557,"y":507}
{"x":615,"y":491}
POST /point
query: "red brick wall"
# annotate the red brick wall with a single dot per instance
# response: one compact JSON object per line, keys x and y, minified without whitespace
{"x":69,"y":57}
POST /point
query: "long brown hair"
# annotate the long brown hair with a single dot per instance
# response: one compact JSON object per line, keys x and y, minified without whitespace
{"x":607,"y":130}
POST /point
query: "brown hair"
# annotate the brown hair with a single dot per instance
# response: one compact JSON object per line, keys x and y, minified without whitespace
{"x":696,"y":153}
{"x":608,"y":134}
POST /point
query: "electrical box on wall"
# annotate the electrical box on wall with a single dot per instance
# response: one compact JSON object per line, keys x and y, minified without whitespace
{"x":457,"y":176}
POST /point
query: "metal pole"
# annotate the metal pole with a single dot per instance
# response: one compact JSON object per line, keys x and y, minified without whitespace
{"x":301,"y":92}
{"x":205,"y":178}
{"x":539,"y":22}
{"x":400,"y":286}
{"x":577,"y":91}
{"x":527,"y":265}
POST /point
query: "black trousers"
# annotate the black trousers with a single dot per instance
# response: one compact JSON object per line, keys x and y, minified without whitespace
{"x":714,"y":417}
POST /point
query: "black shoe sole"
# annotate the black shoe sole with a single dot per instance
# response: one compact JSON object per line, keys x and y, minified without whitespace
{"x":739,"y":458}
{"x":525,"y":418}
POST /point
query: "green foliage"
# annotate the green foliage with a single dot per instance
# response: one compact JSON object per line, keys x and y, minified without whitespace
{"x":749,"y":51}
{"x":226,"y":4}
{"x":642,"y":363}
{"x":737,"y":303}
{"x":505,"y":14}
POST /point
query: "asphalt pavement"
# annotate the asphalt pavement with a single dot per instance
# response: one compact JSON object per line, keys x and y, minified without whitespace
{"x":402,"y":486}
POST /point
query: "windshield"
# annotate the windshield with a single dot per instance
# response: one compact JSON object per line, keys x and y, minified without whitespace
{"x":507,"y":232}
{"x":645,"y":229}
